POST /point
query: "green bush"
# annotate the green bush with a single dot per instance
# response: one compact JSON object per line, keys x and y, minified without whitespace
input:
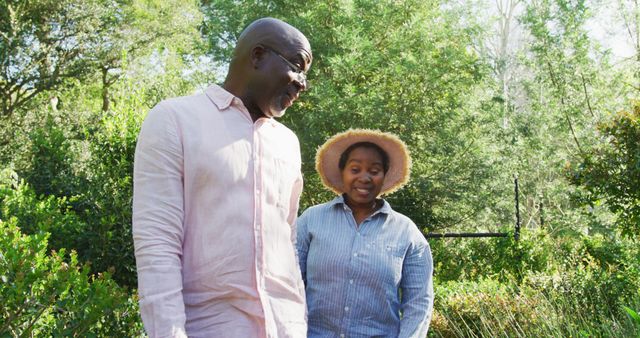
{"x":109,"y":193}
{"x":52,"y":160}
{"x":503,"y":258}
{"x":598,"y":275}
{"x":51,"y":295}
{"x":41,"y":214}
{"x":538,"y":286}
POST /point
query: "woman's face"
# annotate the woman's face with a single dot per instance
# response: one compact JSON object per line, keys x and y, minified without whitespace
{"x":362,"y":176}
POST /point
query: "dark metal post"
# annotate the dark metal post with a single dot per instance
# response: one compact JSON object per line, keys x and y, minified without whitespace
{"x":541,"y":211}
{"x":516,"y":235}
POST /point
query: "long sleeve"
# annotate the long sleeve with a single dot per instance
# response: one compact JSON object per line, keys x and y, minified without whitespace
{"x":302,"y":246}
{"x":417,"y":291}
{"x":294,"y":203}
{"x":158,"y":214}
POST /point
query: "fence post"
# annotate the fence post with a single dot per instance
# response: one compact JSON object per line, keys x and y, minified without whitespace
{"x":541,"y":211}
{"x":516,"y":234}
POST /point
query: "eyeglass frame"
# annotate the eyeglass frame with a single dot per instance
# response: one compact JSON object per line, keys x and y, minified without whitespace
{"x":302,"y":75}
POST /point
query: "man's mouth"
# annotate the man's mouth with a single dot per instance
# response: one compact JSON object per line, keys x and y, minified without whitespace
{"x":288,"y":101}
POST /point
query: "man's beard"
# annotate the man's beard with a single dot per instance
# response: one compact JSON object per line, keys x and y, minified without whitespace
{"x":276,"y":109}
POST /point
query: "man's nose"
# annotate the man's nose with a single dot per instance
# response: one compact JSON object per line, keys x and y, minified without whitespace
{"x":365,"y":178}
{"x":300,"y":82}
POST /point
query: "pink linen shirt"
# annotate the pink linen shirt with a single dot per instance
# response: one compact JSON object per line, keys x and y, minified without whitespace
{"x":214,"y":206}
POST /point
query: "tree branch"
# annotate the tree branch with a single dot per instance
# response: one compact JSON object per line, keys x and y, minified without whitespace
{"x":586,"y":95}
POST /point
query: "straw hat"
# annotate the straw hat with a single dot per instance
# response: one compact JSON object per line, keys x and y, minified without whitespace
{"x":329,"y":153}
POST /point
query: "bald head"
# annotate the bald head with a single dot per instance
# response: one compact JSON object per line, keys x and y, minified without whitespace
{"x":274,"y":33}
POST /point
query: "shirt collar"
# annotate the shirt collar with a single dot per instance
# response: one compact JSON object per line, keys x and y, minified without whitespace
{"x":220,"y":97}
{"x":223,"y":100}
{"x":339,"y":201}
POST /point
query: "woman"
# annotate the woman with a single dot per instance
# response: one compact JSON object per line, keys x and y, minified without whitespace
{"x":367,"y":269}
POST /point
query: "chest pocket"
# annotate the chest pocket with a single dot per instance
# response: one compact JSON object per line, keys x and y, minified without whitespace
{"x":389,"y":258}
{"x":279,"y":183}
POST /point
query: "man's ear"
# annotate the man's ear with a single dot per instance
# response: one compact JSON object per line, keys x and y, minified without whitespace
{"x":258,"y":54}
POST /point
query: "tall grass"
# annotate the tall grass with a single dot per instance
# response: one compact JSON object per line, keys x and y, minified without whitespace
{"x":489,"y":309}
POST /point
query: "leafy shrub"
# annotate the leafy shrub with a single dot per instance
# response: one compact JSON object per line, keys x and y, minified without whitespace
{"x":560,"y":287}
{"x":52,"y":162}
{"x":41,"y":214}
{"x":51,"y":295}
{"x":598,"y":275}
{"x":109,"y":189}
{"x":503,"y":258}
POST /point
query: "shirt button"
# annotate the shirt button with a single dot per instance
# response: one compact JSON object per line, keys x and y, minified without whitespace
{"x":350,"y":281}
{"x":346,"y":308}
{"x":355,"y":255}
{"x":342,"y":335}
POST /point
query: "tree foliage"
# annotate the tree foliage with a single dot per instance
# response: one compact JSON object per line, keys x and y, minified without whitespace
{"x":610,"y":173}
{"x":401,"y":67}
{"x":43,"y":43}
{"x":559,"y":89}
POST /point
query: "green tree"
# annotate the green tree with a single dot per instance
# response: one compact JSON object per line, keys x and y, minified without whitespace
{"x":404,"y":67}
{"x":564,"y":88}
{"x":43,"y":43}
{"x":610,"y":173}
{"x":48,"y":48}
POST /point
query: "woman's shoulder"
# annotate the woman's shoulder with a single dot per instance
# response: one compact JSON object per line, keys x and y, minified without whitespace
{"x":404,"y":224}
{"x":399,"y":219}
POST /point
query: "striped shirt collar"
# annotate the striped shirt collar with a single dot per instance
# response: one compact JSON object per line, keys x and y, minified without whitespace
{"x":339,"y":201}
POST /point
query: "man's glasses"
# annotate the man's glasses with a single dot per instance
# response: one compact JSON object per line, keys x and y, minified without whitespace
{"x":301,"y":75}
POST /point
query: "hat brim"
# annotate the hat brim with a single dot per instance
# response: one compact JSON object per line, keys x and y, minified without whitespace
{"x":328,"y":157}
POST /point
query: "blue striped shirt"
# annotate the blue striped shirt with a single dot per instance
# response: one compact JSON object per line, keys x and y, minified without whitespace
{"x":353,"y":274}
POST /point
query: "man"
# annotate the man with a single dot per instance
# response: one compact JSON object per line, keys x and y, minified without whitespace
{"x":216,"y":187}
